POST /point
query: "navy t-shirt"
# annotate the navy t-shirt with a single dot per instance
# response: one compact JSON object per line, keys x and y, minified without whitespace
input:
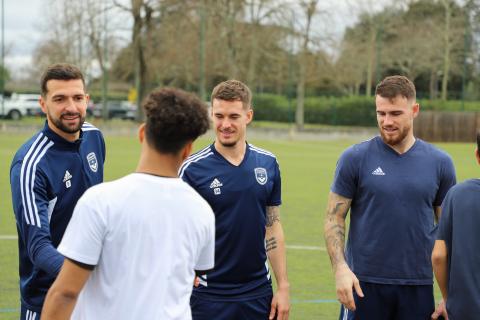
{"x":238,"y":196}
{"x":460,"y":229}
{"x":392,"y":227}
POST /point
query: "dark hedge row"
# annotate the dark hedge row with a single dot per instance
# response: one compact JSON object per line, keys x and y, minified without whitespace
{"x":348,"y":111}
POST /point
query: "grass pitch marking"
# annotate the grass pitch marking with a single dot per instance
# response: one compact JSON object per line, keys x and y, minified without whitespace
{"x":292,"y":246}
{"x":8,"y":237}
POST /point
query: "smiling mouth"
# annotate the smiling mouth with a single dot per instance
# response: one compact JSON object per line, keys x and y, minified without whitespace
{"x":389,"y":130}
{"x":70,"y":116}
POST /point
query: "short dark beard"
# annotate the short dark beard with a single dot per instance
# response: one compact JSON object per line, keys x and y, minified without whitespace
{"x":393,"y":142}
{"x":228,"y":145}
{"x":59,"y":124}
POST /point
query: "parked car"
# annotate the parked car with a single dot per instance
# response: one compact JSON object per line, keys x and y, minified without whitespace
{"x":115,"y":109}
{"x":20,"y":105}
{"x":30,"y":101}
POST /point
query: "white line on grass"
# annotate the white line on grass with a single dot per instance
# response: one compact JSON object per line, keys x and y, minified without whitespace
{"x":8,"y":237}
{"x":299,"y":247}
{"x":291,"y":246}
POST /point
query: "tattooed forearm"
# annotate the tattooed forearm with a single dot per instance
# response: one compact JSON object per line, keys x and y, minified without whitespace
{"x":332,"y":213}
{"x":271,"y":244}
{"x":273,"y":214}
{"x":335,"y":228}
{"x":335,"y":240}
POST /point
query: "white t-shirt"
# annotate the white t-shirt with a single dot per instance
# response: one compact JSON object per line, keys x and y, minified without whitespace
{"x":146,"y":235}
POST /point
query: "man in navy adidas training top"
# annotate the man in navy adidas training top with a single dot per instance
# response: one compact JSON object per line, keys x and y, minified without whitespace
{"x":455,"y":255}
{"x":48,"y":175}
{"x":242,"y":185}
{"x":394,"y":185}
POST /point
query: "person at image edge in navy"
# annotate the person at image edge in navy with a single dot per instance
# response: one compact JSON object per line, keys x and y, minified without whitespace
{"x":455,"y":257}
{"x":48,"y":175}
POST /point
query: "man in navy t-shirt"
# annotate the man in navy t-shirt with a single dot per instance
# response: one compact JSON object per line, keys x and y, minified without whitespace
{"x":455,"y":255}
{"x":242,"y":185}
{"x":393,"y":185}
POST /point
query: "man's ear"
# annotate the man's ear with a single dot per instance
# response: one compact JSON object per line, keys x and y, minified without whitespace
{"x":141,"y":133}
{"x":249,"y":115}
{"x":416,"y":109}
{"x":43,"y":105}
{"x":187,"y":150}
{"x":477,"y":155}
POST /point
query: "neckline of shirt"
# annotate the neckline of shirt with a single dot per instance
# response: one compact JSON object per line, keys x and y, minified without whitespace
{"x":245,"y":156}
{"x":394,"y":152}
{"x":148,"y":174}
{"x":52,"y":135}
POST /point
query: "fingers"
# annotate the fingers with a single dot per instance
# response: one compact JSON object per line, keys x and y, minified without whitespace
{"x":281,"y":312}
{"x":350,"y":303}
{"x":283,"y":315}
{"x":358,"y":289}
{"x":196,"y":282}
{"x":273,"y":309}
{"x":345,"y":296}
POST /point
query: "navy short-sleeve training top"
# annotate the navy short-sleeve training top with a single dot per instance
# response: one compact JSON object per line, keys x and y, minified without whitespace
{"x":459,"y":228}
{"x":238,"y":196}
{"x":392,"y":227}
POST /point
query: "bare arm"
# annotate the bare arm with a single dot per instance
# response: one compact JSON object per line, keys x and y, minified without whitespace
{"x":334,"y":233}
{"x":62,"y":296}
{"x":275,"y":246}
{"x":437,"y":211}
{"x":334,"y":230}
{"x":440,"y":268}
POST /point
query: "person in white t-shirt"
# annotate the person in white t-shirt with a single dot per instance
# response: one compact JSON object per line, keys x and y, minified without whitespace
{"x":133,"y":245}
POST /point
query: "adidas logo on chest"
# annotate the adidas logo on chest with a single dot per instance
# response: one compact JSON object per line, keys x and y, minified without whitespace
{"x":215,"y":185}
{"x":378,"y":172}
{"x":67,"y":179}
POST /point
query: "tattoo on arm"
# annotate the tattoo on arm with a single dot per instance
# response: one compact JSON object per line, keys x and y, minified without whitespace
{"x":335,"y":228}
{"x":273,"y":214}
{"x":271,"y":244}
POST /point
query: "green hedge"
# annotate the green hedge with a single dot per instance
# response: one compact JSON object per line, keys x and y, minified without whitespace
{"x":450,"y":105}
{"x":358,"y":111}
{"x":348,"y":111}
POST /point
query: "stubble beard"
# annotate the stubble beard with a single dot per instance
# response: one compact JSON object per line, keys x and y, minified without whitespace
{"x":395,"y":140}
{"x":63,"y":127}
{"x":228,"y":144}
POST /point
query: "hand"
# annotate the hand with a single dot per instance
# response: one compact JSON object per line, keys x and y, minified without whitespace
{"x":441,"y":310}
{"x":196,"y":282}
{"x":280,"y":304}
{"x":345,"y":280}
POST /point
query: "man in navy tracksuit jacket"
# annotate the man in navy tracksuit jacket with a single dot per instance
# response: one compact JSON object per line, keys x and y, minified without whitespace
{"x":48,"y":175}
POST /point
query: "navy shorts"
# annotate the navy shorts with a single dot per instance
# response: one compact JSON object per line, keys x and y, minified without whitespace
{"x":26,"y":314}
{"x":253,"y":309}
{"x":391,"y":302}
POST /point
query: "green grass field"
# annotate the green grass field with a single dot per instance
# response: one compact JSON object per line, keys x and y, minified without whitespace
{"x":307,"y":170}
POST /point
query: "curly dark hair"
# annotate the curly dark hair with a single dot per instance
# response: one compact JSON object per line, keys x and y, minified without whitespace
{"x":60,"y":71}
{"x":174,"y":118}
{"x":392,"y":86}
{"x":233,"y":90}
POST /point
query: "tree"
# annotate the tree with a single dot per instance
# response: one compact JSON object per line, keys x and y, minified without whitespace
{"x":309,"y":9}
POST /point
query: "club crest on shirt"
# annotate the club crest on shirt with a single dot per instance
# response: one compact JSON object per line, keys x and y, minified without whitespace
{"x":261,"y":175}
{"x":92,"y":161}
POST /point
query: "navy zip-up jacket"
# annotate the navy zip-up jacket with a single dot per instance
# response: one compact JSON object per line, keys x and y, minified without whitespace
{"x":47,"y":176}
